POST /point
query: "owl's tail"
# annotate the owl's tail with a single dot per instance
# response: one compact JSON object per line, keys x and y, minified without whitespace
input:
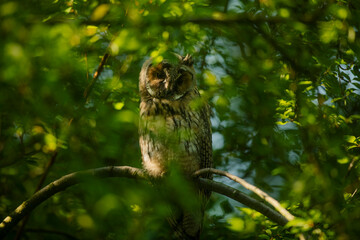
{"x":188,"y":225}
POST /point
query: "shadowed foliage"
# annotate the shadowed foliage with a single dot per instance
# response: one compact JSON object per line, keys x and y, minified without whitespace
{"x":282,"y":80}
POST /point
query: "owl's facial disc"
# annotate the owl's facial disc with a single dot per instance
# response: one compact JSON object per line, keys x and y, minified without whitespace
{"x":168,"y":81}
{"x":158,"y":80}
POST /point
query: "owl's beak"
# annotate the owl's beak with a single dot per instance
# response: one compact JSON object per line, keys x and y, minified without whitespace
{"x":167,"y":79}
{"x":166,"y":84}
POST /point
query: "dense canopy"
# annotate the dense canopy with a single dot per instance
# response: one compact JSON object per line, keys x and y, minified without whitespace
{"x":281,"y":77}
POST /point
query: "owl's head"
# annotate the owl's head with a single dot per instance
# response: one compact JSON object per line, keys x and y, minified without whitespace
{"x":167,"y":80}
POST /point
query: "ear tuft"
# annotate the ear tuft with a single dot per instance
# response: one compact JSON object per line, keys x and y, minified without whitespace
{"x":188,"y":60}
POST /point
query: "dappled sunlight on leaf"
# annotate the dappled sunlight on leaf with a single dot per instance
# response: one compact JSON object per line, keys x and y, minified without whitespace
{"x":100,"y":12}
{"x":85,"y":221}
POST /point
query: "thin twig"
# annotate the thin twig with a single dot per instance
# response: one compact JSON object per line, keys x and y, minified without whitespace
{"x":353,"y":194}
{"x":96,"y":75}
{"x":87,"y":67}
{"x":39,"y":186}
{"x":221,"y":19}
{"x":46,"y":172}
{"x":99,"y":69}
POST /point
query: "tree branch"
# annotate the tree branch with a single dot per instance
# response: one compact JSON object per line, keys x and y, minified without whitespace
{"x":124,"y":171}
{"x":221,"y":19}
{"x":243,"y":198}
{"x":257,"y":191}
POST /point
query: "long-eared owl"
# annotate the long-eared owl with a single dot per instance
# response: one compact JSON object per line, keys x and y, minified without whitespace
{"x":175,"y":127}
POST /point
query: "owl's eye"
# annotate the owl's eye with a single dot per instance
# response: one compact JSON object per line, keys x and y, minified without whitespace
{"x":181,"y":77}
{"x":180,"y":80}
{"x":160,"y":75}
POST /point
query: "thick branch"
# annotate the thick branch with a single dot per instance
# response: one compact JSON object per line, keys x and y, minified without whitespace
{"x":250,"y":187}
{"x":124,"y":171}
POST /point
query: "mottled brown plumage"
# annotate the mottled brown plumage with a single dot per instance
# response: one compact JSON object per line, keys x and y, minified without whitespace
{"x":174,"y":128}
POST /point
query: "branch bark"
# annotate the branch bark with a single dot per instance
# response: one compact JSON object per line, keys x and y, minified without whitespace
{"x":124,"y":171}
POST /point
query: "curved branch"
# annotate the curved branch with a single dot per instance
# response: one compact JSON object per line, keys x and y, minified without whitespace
{"x":243,"y":198}
{"x":250,"y":187}
{"x":130,"y":172}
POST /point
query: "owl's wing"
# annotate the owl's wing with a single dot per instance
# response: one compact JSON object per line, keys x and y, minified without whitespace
{"x":206,"y":139}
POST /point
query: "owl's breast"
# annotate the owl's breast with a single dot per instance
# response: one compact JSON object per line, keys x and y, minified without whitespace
{"x":169,"y":135}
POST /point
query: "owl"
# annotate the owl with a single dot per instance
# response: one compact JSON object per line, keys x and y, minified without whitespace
{"x":175,"y":128}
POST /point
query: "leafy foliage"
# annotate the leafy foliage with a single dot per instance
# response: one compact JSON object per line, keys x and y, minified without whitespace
{"x":282,"y":78}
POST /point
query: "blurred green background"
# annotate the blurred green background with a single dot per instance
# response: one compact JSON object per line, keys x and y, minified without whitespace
{"x":281,"y":76}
